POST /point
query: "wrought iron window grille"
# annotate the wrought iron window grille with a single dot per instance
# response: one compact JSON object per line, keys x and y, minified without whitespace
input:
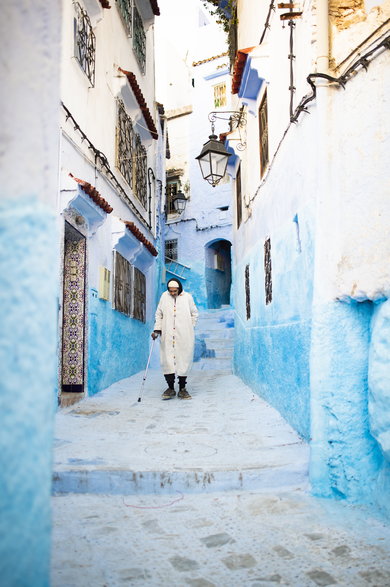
{"x":131,"y":156}
{"x":239,"y":197}
{"x":267,"y":271}
{"x":247,"y":293}
{"x":171,"y":252}
{"x":263,"y":131}
{"x":84,"y":43}
{"x":125,"y":141}
{"x":171,"y":190}
{"x":135,"y":28}
{"x":141,"y":165}
{"x":126,"y":11}
{"x":139,"y":39}
{"x":139,"y":296}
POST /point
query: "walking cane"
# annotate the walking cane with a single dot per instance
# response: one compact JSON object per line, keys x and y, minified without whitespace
{"x":146,"y":371}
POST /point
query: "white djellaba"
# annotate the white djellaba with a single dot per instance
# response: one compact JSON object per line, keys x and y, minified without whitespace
{"x":176,"y":317}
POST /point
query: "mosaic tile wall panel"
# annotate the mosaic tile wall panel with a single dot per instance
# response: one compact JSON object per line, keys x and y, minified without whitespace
{"x":73,"y":332}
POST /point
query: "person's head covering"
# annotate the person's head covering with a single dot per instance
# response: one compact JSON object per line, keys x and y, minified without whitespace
{"x":175,"y":283}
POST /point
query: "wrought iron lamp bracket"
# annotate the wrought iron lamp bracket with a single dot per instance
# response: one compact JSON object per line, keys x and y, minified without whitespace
{"x":236,"y":120}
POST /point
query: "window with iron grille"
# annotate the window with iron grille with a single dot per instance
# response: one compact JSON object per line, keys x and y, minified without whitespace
{"x":238,"y":197}
{"x":131,"y":155}
{"x":171,"y":190}
{"x":139,"y":310}
{"x":122,"y":284}
{"x":171,"y":250}
{"x":135,"y":29}
{"x":129,"y":295}
{"x":268,"y":271}
{"x":140,"y":165}
{"x":125,"y":141}
{"x":247,"y":293}
{"x":126,"y":11}
{"x":139,"y":39}
{"x":263,"y":130}
{"x":84,"y":43}
{"x":220,"y":95}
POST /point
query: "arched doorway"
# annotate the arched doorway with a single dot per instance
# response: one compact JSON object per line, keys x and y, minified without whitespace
{"x":218,"y":273}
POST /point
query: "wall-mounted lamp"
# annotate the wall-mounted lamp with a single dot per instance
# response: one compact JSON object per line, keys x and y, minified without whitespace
{"x":179,"y":202}
{"x":213,"y":158}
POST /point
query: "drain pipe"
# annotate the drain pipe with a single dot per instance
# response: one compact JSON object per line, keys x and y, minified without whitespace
{"x":322,"y":38}
{"x":325,"y":224}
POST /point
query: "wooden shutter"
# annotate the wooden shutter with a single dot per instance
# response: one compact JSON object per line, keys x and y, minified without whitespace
{"x":139,"y":295}
{"x":122,"y":285}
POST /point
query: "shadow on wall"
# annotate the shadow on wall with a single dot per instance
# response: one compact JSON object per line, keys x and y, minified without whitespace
{"x":218,"y":273}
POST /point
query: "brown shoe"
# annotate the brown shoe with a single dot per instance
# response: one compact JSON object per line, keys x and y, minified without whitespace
{"x":183,"y":394}
{"x":168,"y":393}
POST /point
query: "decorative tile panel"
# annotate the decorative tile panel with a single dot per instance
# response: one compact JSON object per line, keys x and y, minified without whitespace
{"x":73,"y":331}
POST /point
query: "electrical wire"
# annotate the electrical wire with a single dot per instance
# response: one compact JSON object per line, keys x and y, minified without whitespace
{"x":361,"y":63}
{"x":266,"y":24}
{"x":100,"y":156}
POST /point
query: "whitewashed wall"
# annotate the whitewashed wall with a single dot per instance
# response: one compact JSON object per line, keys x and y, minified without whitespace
{"x":324,"y":204}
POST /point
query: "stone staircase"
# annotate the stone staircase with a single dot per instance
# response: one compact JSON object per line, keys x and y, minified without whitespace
{"x":214,"y":340}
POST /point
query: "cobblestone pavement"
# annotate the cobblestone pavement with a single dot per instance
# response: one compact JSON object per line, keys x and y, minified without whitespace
{"x":207,"y":492}
{"x":222,"y":539}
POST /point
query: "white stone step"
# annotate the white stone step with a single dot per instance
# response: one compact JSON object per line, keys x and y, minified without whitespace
{"x":219,"y":343}
{"x":213,"y":364}
{"x":215,"y":332}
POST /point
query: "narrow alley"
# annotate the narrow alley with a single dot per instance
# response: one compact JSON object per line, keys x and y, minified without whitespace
{"x":208,"y":492}
{"x":195,"y":192}
{"x":157,"y":493}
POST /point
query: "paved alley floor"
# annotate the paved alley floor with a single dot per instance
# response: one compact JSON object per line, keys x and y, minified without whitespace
{"x":207,"y":492}
{"x":225,"y":437}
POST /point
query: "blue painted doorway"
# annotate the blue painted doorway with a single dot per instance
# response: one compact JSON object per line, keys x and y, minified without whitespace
{"x":218,"y":273}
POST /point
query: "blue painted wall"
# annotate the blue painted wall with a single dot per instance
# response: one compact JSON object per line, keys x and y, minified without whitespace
{"x":272,"y":348}
{"x":118,"y":345}
{"x":345,"y":458}
{"x":323,"y":367}
{"x":194,"y":283}
{"x":28,"y":345}
{"x":274,"y":360}
{"x":192,"y":252}
{"x":379,"y":396}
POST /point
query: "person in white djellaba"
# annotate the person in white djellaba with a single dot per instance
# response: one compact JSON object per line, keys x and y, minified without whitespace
{"x":176,"y":316}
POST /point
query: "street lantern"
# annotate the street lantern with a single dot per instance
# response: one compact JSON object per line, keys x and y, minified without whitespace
{"x":214,"y":157}
{"x":179,"y":202}
{"x":213,"y":160}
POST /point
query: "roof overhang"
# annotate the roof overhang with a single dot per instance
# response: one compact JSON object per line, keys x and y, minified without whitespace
{"x":246,"y":81}
{"x":128,"y":244}
{"x":136,"y":105}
